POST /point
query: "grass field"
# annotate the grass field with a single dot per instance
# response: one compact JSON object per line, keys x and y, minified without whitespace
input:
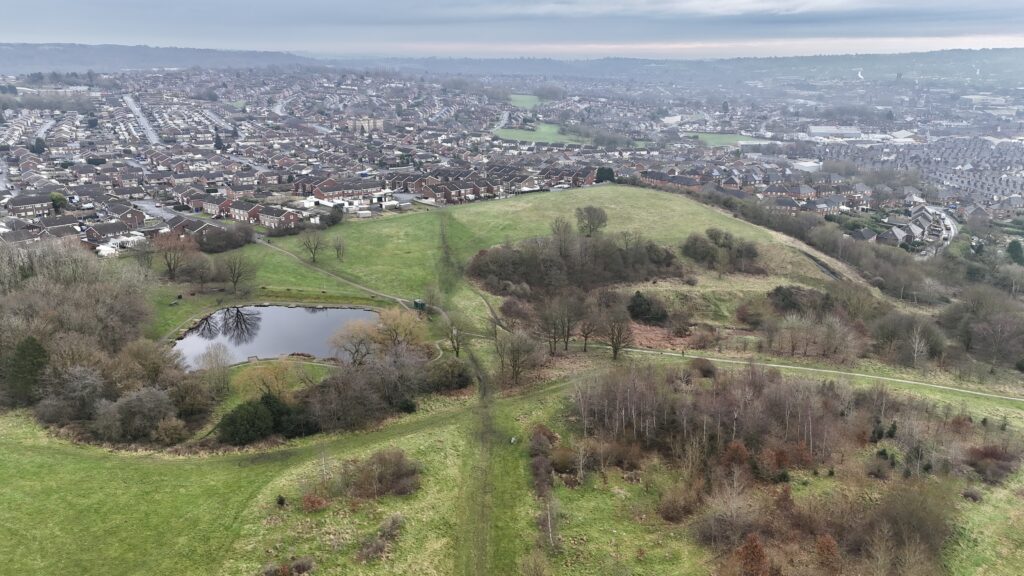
{"x":527,"y":101}
{"x":718,"y":139}
{"x":550,"y":133}
{"x":84,"y":510}
{"x":398,"y":255}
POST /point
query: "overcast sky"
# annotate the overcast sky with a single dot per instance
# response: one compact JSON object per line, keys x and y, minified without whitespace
{"x":555,"y":28}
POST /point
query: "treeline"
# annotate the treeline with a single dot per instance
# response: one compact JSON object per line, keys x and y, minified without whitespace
{"x":80,"y":104}
{"x":569,"y":258}
{"x":890,"y":269}
{"x":71,"y":348}
{"x":732,"y":440}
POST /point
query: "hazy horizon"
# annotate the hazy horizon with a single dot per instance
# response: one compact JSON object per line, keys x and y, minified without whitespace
{"x":565,"y":29}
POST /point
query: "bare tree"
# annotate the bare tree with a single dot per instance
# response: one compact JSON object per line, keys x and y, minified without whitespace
{"x":562,"y":233}
{"x":616,"y":330}
{"x":237,"y":268}
{"x":517,"y":353}
{"x":312,"y":241}
{"x":174,"y":251}
{"x":198,"y":268}
{"x":338,"y":244}
{"x":590,"y":323}
{"x":455,"y":327}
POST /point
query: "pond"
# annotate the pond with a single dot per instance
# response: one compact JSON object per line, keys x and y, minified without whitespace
{"x":268,"y":331}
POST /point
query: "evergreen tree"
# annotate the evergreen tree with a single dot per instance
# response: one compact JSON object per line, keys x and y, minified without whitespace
{"x":23,"y":376}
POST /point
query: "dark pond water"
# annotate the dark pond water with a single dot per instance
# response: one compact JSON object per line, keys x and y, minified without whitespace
{"x":268,"y":331}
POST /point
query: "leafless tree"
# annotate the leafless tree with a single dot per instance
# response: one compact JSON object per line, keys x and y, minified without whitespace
{"x":616,"y":330}
{"x":455,"y":328}
{"x":517,"y":353}
{"x":338,"y":244}
{"x":237,"y":268}
{"x":312,"y":241}
{"x":174,"y":251}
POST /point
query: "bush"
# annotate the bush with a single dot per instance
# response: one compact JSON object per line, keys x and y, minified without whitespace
{"x":217,"y":240}
{"x":972,"y":494}
{"x":992,"y":463}
{"x":313,"y":502}
{"x":704,"y":367}
{"x":448,"y":373}
{"x":376,"y":545}
{"x":141,"y":411}
{"x":383,"y":473}
{"x":170,"y":431}
{"x":563,"y":460}
{"x":726,"y":518}
{"x":647,"y":309}
{"x":680,"y":501}
{"x":248,"y":422}
{"x":540,"y":471}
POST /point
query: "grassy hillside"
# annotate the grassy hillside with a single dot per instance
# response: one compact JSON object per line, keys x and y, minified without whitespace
{"x":397,"y":254}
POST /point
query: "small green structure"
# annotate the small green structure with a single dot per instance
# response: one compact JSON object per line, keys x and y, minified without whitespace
{"x":419,"y":305}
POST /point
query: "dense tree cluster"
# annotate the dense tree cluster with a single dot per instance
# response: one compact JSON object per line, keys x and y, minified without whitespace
{"x":71,"y":347}
{"x":721,"y":251}
{"x":567,"y":258}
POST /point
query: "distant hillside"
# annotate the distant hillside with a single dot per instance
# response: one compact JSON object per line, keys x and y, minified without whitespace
{"x":992,"y":64}
{"x":28,"y":58}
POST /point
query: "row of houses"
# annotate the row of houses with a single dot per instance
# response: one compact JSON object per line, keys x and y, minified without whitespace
{"x":272,"y":217}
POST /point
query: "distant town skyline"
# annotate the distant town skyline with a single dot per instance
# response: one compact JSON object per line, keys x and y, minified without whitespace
{"x":538,"y":28}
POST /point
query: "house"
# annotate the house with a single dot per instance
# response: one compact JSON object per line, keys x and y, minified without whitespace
{"x":215,"y":205}
{"x":352,"y":188}
{"x":864,"y":235}
{"x":273,"y":217}
{"x":243,"y":211}
{"x":783,"y":204}
{"x":30,"y":206}
{"x":104,"y":230}
{"x":131,"y":216}
{"x":893,"y":237}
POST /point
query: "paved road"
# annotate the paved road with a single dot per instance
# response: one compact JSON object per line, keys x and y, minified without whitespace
{"x":502,"y":122}
{"x":153,"y":211}
{"x":279,"y":107}
{"x":147,"y":128}
{"x":41,"y":133}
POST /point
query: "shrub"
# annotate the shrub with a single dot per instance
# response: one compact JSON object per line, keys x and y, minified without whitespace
{"x":993,"y":463}
{"x":448,"y":373}
{"x":141,"y":411}
{"x":704,"y":367}
{"x":679,"y":501}
{"x":376,"y":545}
{"x":646,"y":309}
{"x":726,"y":518}
{"x":248,"y":422}
{"x":972,"y":494}
{"x":563,"y":460}
{"x":313,"y":502}
{"x":383,"y":473}
{"x":170,"y":431}
{"x":192,"y":397}
{"x":540,"y":471}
